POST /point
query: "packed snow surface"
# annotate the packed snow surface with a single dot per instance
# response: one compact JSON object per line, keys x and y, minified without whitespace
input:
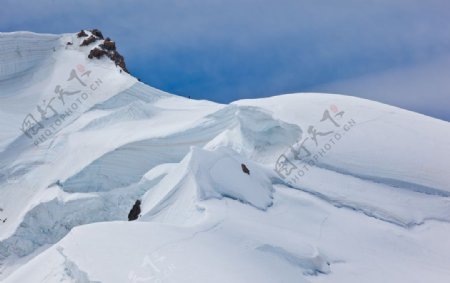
{"x":294,"y":188}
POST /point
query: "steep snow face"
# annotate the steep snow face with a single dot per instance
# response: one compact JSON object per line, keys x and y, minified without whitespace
{"x":43,"y":75}
{"x":25,"y":61}
{"x":23,"y":53}
{"x":47,"y":85}
{"x":293,"y":188}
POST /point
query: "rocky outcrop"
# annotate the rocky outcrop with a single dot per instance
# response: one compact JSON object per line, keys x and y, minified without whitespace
{"x":119,"y":60}
{"x":135,"y":211}
{"x":82,"y":33}
{"x":96,"y":53}
{"x":245,"y":169}
{"x":89,"y":40}
{"x":106,"y":47}
{"x":97,"y":33}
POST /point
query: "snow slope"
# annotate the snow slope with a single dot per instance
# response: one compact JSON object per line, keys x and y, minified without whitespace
{"x":340,"y":189}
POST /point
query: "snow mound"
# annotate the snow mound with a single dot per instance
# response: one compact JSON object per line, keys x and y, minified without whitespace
{"x":204,"y":175}
{"x":379,"y":143}
{"x":219,"y":174}
{"x":256,"y":134}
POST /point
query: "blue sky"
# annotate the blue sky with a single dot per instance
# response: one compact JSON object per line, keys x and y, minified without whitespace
{"x":393,"y":51}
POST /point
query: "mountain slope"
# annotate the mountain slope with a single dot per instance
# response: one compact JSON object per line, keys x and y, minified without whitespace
{"x":339,"y":189}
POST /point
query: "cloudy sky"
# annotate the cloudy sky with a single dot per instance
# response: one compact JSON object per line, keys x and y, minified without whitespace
{"x":393,"y":51}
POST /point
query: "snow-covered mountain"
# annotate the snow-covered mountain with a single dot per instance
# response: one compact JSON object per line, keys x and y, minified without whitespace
{"x":294,"y":188}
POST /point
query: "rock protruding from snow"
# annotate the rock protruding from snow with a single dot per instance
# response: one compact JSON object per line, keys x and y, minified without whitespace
{"x":89,"y":40}
{"x":226,"y":179}
{"x":97,"y":33}
{"x":107,"y":47}
{"x":135,"y":211}
{"x":82,"y":33}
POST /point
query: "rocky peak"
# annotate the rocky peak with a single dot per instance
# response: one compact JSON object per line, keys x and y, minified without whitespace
{"x":107,"y":47}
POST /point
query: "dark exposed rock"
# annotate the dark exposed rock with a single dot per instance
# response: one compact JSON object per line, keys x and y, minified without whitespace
{"x":89,"y":40}
{"x":97,"y":33}
{"x":113,"y":55}
{"x":108,"y":45}
{"x":245,"y":169}
{"x":135,"y":211}
{"x":81,"y":34}
{"x":118,"y":59}
{"x":69,"y":43}
{"x":96,"y":53}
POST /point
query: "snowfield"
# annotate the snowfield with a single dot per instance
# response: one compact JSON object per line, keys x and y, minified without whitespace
{"x":339,"y":189}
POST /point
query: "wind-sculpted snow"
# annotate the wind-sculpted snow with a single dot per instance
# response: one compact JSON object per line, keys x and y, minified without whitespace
{"x":292,"y":188}
{"x":51,"y":220}
{"x":386,"y":144}
{"x":257,"y":135}
{"x":26,"y":61}
{"x":134,"y":111}
{"x":396,"y":183}
{"x":204,"y":175}
{"x":239,"y":124}
{"x":21,"y":54}
{"x":312,"y":263}
{"x":109,"y":171}
{"x":137,"y":92}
